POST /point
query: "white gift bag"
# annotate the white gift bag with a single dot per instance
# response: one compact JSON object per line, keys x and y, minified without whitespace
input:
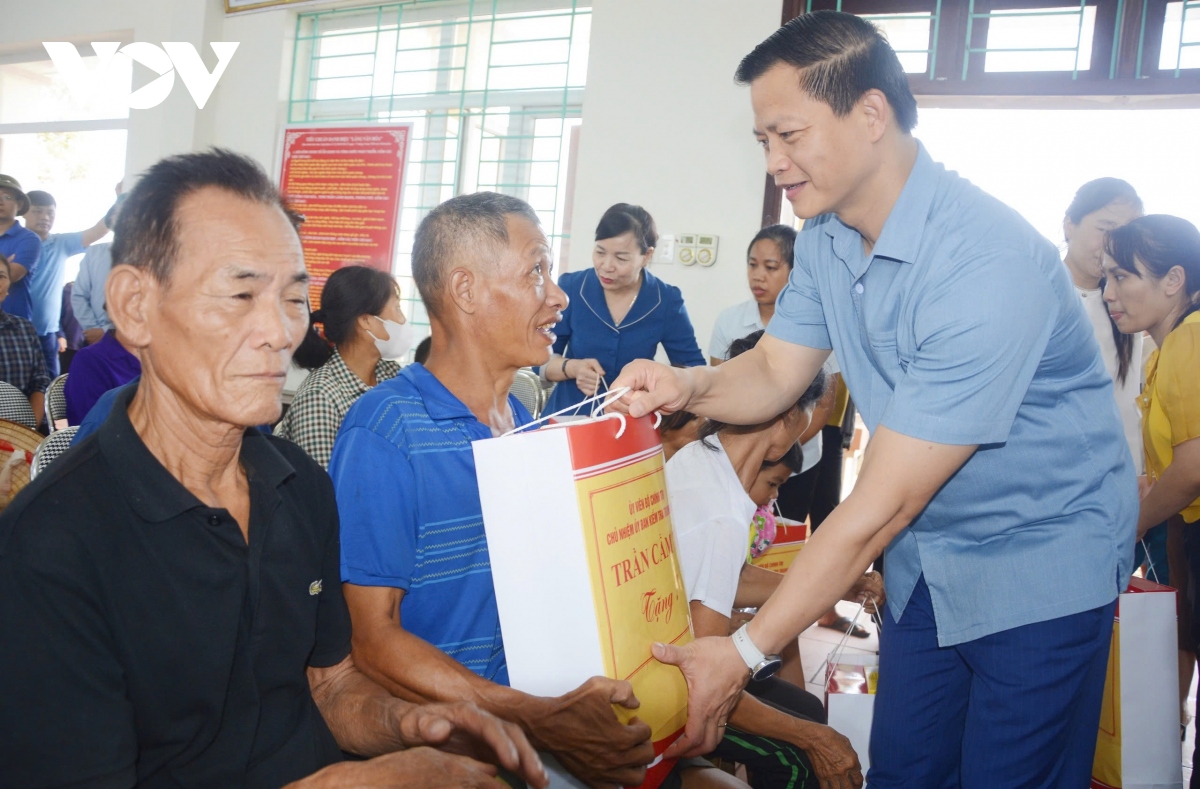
{"x":1138,"y":743}
{"x":583,"y":562}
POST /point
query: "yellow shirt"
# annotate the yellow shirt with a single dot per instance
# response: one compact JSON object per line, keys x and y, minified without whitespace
{"x":1170,"y":403}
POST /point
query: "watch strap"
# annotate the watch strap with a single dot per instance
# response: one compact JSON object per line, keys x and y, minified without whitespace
{"x":752,"y":656}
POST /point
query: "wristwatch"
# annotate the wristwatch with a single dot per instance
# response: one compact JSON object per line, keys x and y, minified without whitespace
{"x":761,"y":666}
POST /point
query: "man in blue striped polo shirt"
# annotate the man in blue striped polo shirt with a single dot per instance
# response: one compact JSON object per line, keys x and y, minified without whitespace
{"x":415,"y":562}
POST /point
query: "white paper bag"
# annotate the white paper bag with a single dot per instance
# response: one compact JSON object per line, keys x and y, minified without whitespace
{"x":583,"y":562}
{"x":1138,"y":743}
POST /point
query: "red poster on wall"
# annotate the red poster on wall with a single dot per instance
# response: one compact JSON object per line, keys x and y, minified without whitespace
{"x":347,"y":182}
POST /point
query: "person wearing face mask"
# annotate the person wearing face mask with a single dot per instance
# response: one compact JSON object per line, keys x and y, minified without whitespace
{"x":618,"y":312}
{"x":365,"y":336}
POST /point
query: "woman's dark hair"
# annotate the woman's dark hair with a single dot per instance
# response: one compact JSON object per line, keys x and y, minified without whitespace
{"x":1161,"y":242}
{"x":793,"y":459}
{"x":626,"y":218}
{"x":349,"y":292}
{"x":784,"y":238}
{"x":677,"y":421}
{"x":840,"y":57}
{"x":1099,"y":193}
{"x":1091,"y":197}
{"x":811,"y":395}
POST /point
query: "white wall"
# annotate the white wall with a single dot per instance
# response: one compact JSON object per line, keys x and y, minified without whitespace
{"x":664,"y":126}
{"x":245,"y":110}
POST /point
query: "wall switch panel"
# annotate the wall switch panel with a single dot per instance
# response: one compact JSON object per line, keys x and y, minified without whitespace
{"x":664,"y":251}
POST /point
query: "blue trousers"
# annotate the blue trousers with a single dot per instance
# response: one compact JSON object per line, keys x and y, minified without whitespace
{"x":1016,"y":709}
{"x":50,"y":351}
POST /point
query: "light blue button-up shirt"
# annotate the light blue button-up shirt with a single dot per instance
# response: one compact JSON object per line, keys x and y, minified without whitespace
{"x":87,"y":297}
{"x":46,"y":283}
{"x":962,"y":327}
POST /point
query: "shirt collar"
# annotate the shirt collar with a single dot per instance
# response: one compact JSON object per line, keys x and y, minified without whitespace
{"x":648,"y":299}
{"x":750,"y":317}
{"x":343,"y":375}
{"x":150,"y":489}
{"x":905,"y":225}
{"x":440,"y":402}
{"x":14,"y":230}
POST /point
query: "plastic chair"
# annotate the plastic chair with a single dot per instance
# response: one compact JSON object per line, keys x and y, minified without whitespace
{"x":56,"y":401}
{"x":14,"y":406}
{"x":54,"y":445}
{"x":527,"y":387}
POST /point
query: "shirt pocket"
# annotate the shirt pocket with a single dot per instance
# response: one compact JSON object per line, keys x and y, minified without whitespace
{"x":884,"y":355}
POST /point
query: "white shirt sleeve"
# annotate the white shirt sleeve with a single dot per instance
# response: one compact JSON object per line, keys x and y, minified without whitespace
{"x":711,"y":555}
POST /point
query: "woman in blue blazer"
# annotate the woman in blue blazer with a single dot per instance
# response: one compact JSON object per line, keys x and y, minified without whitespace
{"x":618,"y":312}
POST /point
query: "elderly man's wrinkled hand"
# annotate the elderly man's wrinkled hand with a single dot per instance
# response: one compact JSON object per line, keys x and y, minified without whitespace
{"x":582,"y":730}
{"x":419,"y":768}
{"x":652,"y":387}
{"x":833,"y":758}
{"x":463,"y":728}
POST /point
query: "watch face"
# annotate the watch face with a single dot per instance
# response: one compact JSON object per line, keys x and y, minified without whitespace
{"x":767,"y":668}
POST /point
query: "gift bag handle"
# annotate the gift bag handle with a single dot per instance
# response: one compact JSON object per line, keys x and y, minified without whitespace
{"x":608,"y":397}
{"x":835,"y":654}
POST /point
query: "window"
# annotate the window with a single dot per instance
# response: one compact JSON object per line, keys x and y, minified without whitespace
{"x":1045,"y":39}
{"x":1181,"y":37}
{"x":909,"y":35}
{"x":494,"y":90}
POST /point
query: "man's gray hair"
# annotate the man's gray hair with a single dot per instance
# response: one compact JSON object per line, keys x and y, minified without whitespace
{"x":146,"y":234}
{"x":462,"y":229}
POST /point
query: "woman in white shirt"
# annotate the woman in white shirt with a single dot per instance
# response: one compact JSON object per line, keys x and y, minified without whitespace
{"x":711,"y":509}
{"x":1100,"y":206}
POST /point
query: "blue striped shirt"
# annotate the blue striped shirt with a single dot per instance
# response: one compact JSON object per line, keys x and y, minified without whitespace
{"x":411,"y":519}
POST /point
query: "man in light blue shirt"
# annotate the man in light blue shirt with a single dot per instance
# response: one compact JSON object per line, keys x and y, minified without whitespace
{"x":87,"y":297}
{"x":997,"y":476}
{"x":46,"y":280}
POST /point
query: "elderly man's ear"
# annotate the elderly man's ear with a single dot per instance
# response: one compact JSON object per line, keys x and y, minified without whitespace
{"x":129,"y":295}
{"x":463,"y":288}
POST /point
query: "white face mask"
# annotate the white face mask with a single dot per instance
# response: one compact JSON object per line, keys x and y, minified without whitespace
{"x":398,"y":342}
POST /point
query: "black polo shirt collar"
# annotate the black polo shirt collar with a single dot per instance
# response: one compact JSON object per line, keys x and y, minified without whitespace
{"x":150,"y":489}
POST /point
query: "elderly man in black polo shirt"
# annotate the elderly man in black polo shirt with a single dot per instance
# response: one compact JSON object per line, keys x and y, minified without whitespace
{"x":170,"y":599}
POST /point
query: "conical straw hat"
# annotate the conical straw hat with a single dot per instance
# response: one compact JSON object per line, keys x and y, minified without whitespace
{"x":22,"y":439}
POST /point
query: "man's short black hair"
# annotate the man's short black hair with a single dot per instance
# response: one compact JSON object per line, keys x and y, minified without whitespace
{"x":146,"y":231}
{"x":38,"y":197}
{"x":462,"y":228}
{"x":840,"y":57}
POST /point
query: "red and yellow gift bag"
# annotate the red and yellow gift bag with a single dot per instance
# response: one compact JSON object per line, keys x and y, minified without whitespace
{"x":583,"y":561}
